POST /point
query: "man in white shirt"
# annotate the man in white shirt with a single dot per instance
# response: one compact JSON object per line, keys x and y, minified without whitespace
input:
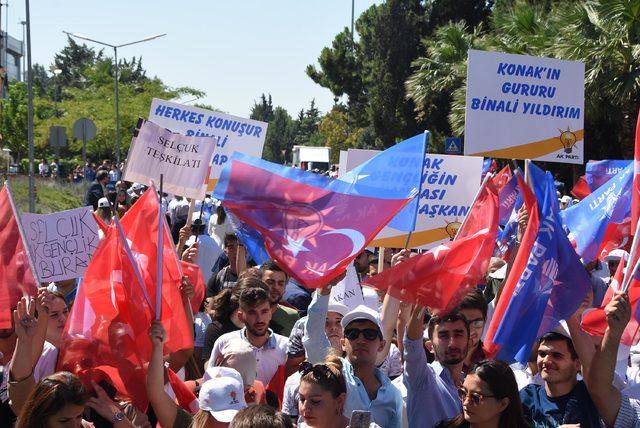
{"x":270,"y":348}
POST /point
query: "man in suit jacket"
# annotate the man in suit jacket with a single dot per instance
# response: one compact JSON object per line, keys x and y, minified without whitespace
{"x":96,"y":190}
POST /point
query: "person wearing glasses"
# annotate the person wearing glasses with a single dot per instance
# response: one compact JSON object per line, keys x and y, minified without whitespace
{"x":474,"y":308}
{"x":489,"y":398}
{"x":434,"y":383}
{"x":367,"y":388}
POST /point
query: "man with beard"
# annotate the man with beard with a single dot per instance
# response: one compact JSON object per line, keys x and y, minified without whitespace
{"x":270,"y":348}
{"x":283,"y":318}
{"x":436,"y":383}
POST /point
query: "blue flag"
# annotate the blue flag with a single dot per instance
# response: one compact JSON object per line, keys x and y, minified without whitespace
{"x":250,"y":238}
{"x":588,"y":220}
{"x":398,"y":170}
{"x":552,"y":282}
{"x":598,"y":173}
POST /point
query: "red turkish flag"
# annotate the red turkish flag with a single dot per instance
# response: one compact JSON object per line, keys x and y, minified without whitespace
{"x":594,"y":322}
{"x":441,"y":277}
{"x":140,"y":224}
{"x":106,"y":333}
{"x":16,"y":274}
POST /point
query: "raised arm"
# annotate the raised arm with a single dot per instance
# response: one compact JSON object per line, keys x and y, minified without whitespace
{"x":599,"y":382}
{"x":390,"y":311}
{"x":315,"y":341}
{"x":163,"y":406}
{"x":21,"y":381}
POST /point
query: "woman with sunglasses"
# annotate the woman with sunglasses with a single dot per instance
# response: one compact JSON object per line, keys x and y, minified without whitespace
{"x":489,"y":398}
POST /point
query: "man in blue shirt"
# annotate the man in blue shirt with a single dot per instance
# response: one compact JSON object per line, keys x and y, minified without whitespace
{"x":367,"y":387}
{"x":432,"y":389}
{"x":562,"y":399}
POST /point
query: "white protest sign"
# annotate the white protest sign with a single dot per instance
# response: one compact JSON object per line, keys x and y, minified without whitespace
{"x":524,"y":107}
{"x":232,"y":133}
{"x":183,"y":162}
{"x":449,"y":185}
{"x":342,"y":162}
{"x":347,"y":292}
{"x":61,"y":243}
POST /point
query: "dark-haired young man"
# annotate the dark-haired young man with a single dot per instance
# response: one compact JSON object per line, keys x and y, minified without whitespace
{"x":562,"y":399}
{"x":270,"y":348}
{"x":283,"y":318}
{"x":435,"y":383}
{"x":97,"y":189}
{"x":474,"y":308}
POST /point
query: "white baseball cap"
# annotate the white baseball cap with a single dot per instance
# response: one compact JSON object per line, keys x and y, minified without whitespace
{"x":362,"y":312}
{"x":617,"y":254}
{"x":104,"y":203}
{"x":222,"y":397}
{"x":338,"y":308}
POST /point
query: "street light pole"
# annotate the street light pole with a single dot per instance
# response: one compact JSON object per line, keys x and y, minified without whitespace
{"x":32,"y":184}
{"x":115,"y":54}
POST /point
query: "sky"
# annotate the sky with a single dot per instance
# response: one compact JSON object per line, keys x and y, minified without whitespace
{"x":232,"y":50}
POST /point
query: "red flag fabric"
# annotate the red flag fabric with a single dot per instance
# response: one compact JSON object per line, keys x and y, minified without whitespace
{"x":594,"y":322}
{"x":581,"y":189}
{"x":502,"y":178}
{"x":140,"y":224}
{"x":16,"y":274}
{"x":520,"y":262}
{"x":192,"y":271}
{"x":635,"y":197}
{"x":105,"y":336}
{"x":101,"y":224}
{"x":185,"y":398}
{"x":442,"y":276}
{"x":276,"y":384}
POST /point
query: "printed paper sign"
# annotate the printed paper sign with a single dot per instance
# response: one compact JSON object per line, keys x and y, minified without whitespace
{"x":183,"y":162}
{"x":348,"y":292}
{"x":524,"y":107}
{"x":61,"y":243}
{"x":449,"y":185}
{"x":232,"y":133}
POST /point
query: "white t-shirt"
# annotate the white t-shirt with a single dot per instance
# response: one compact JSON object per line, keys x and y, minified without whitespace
{"x":271,"y":356}
{"x":201,"y":321}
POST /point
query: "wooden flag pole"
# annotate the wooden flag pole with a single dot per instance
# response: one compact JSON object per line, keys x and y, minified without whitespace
{"x":381,"y":253}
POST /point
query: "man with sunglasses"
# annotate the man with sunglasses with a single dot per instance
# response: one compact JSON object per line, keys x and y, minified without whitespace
{"x":367,"y":387}
{"x":435,"y":383}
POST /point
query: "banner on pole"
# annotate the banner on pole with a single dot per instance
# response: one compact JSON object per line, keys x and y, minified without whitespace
{"x":61,"y":243}
{"x":184,"y":162}
{"x":231,"y":133}
{"x":449,"y":185}
{"x":524,"y":107}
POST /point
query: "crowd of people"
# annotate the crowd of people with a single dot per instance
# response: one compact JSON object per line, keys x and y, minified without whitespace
{"x":269,"y":352}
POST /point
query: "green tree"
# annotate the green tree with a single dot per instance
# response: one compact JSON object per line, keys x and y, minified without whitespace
{"x":334,"y":127}
{"x":263,"y":109}
{"x":372,"y":71}
{"x":279,"y":136}
{"x":13,"y":122}
{"x":73,"y":60}
{"x":470,"y":12}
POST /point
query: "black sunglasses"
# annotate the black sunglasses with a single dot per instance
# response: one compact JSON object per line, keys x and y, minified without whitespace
{"x":368,"y":333}
{"x":476,"y":398}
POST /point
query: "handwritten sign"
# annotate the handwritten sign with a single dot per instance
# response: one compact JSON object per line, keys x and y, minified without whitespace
{"x":183,"y":161}
{"x":231,"y":133}
{"x":61,"y":243}
{"x":524,"y":107}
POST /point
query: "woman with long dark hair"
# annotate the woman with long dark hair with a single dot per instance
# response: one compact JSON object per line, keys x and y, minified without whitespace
{"x":490,"y":398}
